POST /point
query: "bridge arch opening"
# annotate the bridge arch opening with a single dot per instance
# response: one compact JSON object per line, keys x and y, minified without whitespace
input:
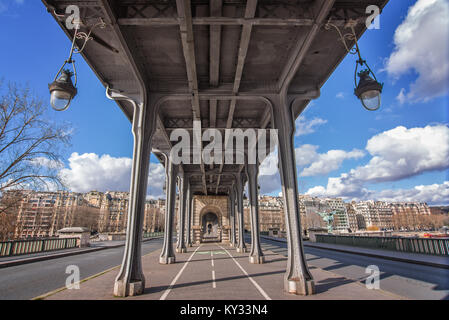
{"x":211,"y":227}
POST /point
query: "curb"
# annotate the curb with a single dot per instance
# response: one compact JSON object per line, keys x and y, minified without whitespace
{"x":59,"y":255}
{"x":373,"y":255}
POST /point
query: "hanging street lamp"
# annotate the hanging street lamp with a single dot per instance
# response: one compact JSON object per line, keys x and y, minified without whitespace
{"x":62,"y":89}
{"x":367,"y":89}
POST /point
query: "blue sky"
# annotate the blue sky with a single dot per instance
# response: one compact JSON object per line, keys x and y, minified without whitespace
{"x":400,"y":152}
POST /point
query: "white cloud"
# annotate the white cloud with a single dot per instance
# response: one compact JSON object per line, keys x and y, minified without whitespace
{"x":402,"y":98}
{"x":305,"y":126}
{"x":340,"y":95}
{"x":422,"y":47}
{"x":88,"y":172}
{"x":4,"y":4}
{"x":436,"y":194}
{"x":319,"y":164}
{"x":306,"y":154}
{"x":396,"y":154}
{"x":330,"y":161}
{"x":269,"y":179}
{"x":269,"y":165}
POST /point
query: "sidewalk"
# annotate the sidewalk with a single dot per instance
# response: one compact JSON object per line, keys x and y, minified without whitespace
{"x":218,"y":272}
{"x":48,"y":255}
{"x":422,"y":259}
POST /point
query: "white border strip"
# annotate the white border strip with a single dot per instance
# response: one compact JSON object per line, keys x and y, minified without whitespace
{"x":262,"y":292}
{"x":177,"y":276}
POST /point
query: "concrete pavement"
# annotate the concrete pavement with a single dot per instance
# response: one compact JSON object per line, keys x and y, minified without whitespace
{"x":410,"y":280}
{"x":27,"y":281}
{"x":218,"y":272}
{"x":415,"y":258}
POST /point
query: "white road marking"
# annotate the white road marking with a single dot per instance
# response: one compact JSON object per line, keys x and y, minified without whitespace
{"x":177,"y":276}
{"x":214,"y":285}
{"x":262,"y":292}
{"x":212,"y":258}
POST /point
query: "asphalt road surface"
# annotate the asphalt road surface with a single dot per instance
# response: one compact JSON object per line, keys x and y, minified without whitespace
{"x":405,"y":279}
{"x":31,"y":280}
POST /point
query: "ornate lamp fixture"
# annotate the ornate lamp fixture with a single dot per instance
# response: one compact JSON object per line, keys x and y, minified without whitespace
{"x":367,"y":89}
{"x":62,"y":89}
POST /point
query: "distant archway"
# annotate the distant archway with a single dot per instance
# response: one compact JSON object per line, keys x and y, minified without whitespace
{"x":210,"y":220}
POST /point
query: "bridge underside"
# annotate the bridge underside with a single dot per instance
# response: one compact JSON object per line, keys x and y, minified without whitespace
{"x":219,"y":64}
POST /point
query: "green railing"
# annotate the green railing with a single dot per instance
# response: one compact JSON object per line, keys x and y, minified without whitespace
{"x":431,"y":246}
{"x":19,"y":247}
{"x":152,"y":234}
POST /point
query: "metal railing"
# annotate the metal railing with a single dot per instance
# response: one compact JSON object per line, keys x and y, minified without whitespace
{"x":20,"y":247}
{"x":152,"y":234}
{"x":438,"y":247}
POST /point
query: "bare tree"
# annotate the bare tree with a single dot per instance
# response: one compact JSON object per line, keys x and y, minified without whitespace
{"x":9,"y":209}
{"x":30,"y":144}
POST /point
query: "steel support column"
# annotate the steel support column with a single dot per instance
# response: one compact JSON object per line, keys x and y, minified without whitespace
{"x":189,"y":216}
{"x":183,"y":184}
{"x":241,"y":247}
{"x":167,"y":254}
{"x":298,"y":279}
{"x":232,"y":240}
{"x":130,"y":281}
{"x":256,"y":254}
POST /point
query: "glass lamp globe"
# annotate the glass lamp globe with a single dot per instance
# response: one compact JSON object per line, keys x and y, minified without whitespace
{"x":369,"y":91}
{"x":62,"y":91}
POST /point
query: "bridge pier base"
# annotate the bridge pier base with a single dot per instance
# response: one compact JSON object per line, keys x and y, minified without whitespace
{"x":241,"y":246}
{"x":130,"y":281}
{"x":167,"y":254}
{"x":256,"y":254}
{"x":189,"y":217}
{"x":183,"y":186}
{"x":298,"y":279}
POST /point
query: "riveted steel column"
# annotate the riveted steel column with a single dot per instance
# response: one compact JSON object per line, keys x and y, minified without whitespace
{"x":183,"y":184}
{"x":232,"y":239}
{"x":298,"y":279}
{"x":256,"y":254}
{"x":241,"y":247}
{"x":167,"y":254}
{"x":189,"y":216}
{"x":130,"y":281}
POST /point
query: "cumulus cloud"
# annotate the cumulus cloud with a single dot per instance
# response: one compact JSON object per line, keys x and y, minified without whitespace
{"x":89,"y":171}
{"x":330,"y":161}
{"x":436,"y":194}
{"x":319,"y":164}
{"x":305,"y":126}
{"x":308,"y":160}
{"x":421,"y":46}
{"x":396,"y":154}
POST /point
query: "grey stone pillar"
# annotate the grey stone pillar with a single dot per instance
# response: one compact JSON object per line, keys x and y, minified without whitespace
{"x":256,"y":254}
{"x":183,"y":184}
{"x":189,"y":216}
{"x":241,"y":247}
{"x":298,"y":279}
{"x":167,"y":254}
{"x":130,"y":281}
{"x":232,"y":240}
